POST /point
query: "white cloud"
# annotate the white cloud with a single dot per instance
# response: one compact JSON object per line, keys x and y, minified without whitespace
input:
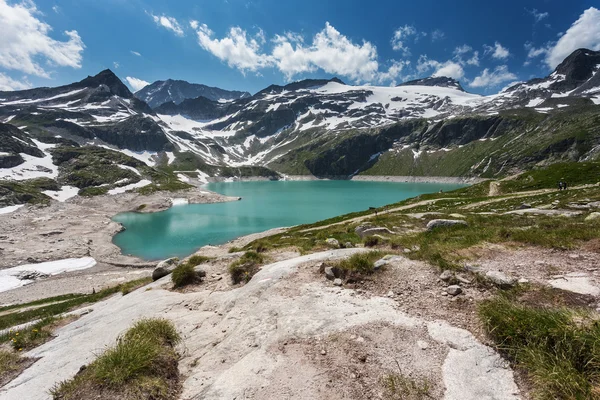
{"x":474,"y":60}
{"x":393,"y":73}
{"x":136,"y":84}
{"x":330,"y":51}
{"x":400,"y":36}
{"x":464,"y":49}
{"x":538,"y":16}
{"x":493,"y":78}
{"x":25,"y":41}
{"x":497,"y":51}
{"x":7,"y":83}
{"x":237,"y":49}
{"x":116,"y":64}
{"x":449,"y":68}
{"x":56,"y":9}
{"x":135,"y":53}
{"x":168,"y":23}
{"x":437,"y":35}
{"x":584,"y":33}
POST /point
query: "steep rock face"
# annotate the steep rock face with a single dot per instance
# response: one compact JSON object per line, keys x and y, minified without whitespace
{"x":579,"y":68}
{"x":199,"y":108}
{"x":13,"y":141}
{"x":177,"y":91}
{"x":440,"y":81}
{"x":137,"y":133}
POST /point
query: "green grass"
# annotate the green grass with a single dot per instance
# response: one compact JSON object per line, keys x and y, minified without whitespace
{"x":16,"y":318}
{"x":548,"y":177}
{"x":142,"y":365}
{"x":400,"y":387}
{"x":9,"y":362}
{"x":360,"y":263}
{"x":559,"y":349}
{"x":184,"y":275}
{"x":197,"y":260}
{"x":32,"y":336}
{"x":245,"y":268}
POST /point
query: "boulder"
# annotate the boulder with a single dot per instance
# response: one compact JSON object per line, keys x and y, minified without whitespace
{"x":442,"y":223}
{"x":454,"y":290}
{"x":593,"y":216}
{"x":164,"y":268}
{"x":348,"y":245}
{"x":31,"y":275}
{"x":329,"y":273}
{"x":333,"y":242}
{"x":379,"y":264}
{"x":500,"y":279}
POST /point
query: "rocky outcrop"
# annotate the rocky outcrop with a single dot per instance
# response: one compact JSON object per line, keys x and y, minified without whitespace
{"x":444,"y":223}
{"x":165,"y":267}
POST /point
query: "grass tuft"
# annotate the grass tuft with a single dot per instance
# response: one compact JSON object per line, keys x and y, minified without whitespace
{"x":400,"y":387}
{"x":360,"y":263}
{"x":244,"y":269}
{"x":558,"y":348}
{"x":142,"y":365}
{"x":183,"y":275}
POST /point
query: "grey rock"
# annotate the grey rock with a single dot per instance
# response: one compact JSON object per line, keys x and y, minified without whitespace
{"x":348,"y":245}
{"x":500,"y":279}
{"x":454,"y":290}
{"x":31,"y":275}
{"x":329,"y":274}
{"x":593,"y":216}
{"x":369,"y":230}
{"x":337,"y":282}
{"x":422,"y":344}
{"x":164,"y":268}
{"x":379,"y":264}
{"x":333,"y":242}
{"x":523,"y":281}
{"x":463,"y":280}
{"x":594,"y":204}
{"x":443,"y":223}
{"x":524,"y":206}
{"x":446,"y":275}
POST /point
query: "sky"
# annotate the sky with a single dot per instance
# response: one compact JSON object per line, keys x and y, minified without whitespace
{"x":251,"y":44}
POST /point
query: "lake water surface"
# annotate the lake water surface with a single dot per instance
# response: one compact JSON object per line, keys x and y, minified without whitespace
{"x":181,"y":230}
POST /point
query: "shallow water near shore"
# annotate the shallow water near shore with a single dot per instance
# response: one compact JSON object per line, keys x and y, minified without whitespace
{"x":183,"y":229}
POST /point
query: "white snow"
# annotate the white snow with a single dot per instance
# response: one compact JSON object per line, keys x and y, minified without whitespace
{"x":140,"y":184}
{"x":179,"y":202}
{"x":65,"y":193}
{"x":145,"y":156}
{"x":534,"y":102}
{"x":183,"y":178}
{"x":9,"y":209}
{"x":170,"y":157}
{"x":33,"y":167}
{"x":8,"y":279}
{"x":127,"y":167}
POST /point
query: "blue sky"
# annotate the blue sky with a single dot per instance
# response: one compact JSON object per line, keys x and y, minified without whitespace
{"x":250,"y":44}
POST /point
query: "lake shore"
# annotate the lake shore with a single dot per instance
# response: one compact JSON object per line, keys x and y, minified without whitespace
{"x":360,"y":178}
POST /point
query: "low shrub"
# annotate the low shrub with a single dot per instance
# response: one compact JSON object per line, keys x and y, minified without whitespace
{"x":197,"y":260}
{"x":371,"y":241}
{"x":360,"y":263}
{"x":245,"y":268}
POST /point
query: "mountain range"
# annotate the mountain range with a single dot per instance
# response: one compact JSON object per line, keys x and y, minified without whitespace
{"x":70,"y":136}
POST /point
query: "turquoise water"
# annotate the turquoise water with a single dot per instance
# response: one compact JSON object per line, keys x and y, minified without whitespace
{"x":181,"y":230}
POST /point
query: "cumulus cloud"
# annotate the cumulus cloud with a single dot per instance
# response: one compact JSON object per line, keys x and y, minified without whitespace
{"x":584,"y":33}
{"x":168,"y":23}
{"x":497,"y":51}
{"x":400,"y":36}
{"x":7,"y":83}
{"x":25,"y":41}
{"x":449,"y":68}
{"x":237,"y":49}
{"x":136,"y":84}
{"x":393,"y":73}
{"x":537,"y":15}
{"x":135,"y":53}
{"x":461,"y":51}
{"x":330,"y":51}
{"x":493,"y":78}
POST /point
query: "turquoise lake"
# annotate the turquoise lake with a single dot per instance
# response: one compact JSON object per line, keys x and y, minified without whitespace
{"x":183,"y":229}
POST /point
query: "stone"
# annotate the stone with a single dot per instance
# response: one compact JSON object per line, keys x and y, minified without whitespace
{"x":500,"y":279}
{"x":379,"y":264}
{"x":164,"y":268}
{"x":390,"y":294}
{"x":337,"y":282}
{"x":454,"y":290}
{"x":523,"y":281}
{"x":31,"y":275}
{"x":457,"y":216}
{"x":444,"y":223}
{"x":201,"y":273}
{"x":369,"y":230}
{"x":422,"y":344}
{"x":463,"y":280}
{"x":329,"y":273}
{"x":594,"y":204}
{"x":348,"y":245}
{"x":524,"y":206}
{"x":333,"y":242}
{"x":593,"y":216}
{"x":446,"y":275}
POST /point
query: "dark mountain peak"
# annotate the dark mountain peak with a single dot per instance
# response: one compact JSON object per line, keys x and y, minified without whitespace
{"x":580,"y":65}
{"x":109,"y":79}
{"x":299,"y":85}
{"x":440,"y":81}
{"x":176,"y":91}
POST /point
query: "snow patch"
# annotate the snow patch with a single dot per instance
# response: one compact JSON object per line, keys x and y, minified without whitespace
{"x":65,"y":193}
{"x":9,"y":209}
{"x":140,"y":184}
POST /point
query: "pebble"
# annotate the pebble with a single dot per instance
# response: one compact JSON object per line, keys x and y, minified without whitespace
{"x":337,"y":282}
{"x":454,"y":290}
{"x":323,"y":352}
{"x":422,"y":345}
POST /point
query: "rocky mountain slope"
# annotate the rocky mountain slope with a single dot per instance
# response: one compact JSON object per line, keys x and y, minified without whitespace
{"x":326,"y":128}
{"x":177,"y":91}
